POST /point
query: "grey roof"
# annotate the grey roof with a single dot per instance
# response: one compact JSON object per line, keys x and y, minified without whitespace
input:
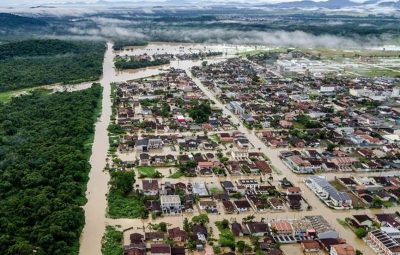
{"x":333,"y":192}
{"x":142,"y":142}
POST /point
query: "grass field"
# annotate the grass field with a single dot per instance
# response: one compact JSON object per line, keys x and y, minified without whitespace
{"x":357,"y":203}
{"x":381,"y":72}
{"x":146,"y":171}
{"x":176,"y":175}
{"x":7,"y":95}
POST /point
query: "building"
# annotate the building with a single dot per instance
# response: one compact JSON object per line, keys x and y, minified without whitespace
{"x":200,"y":189}
{"x":160,"y":249}
{"x":299,"y":165}
{"x":177,"y":234}
{"x":150,"y":187}
{"x":363,"y":220}
{"x":236,"y":108}
{"x":325,"y":191}
{"x":382,"y":243}
{"x":135,"y":249}
{"x":256,"y":228}
{"x":251,"y":184}
{"x":342,"y":249}
{"x":147,"y":144}
{"x":310,"y":246}
{"x":228,"y":186}
{"x":322,"y":227}
{"x":242,"y":205}
{"x":281,"y":227}
{"x":170,"y":204}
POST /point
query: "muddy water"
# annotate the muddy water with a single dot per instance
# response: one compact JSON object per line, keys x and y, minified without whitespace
{"x":98,"y":179}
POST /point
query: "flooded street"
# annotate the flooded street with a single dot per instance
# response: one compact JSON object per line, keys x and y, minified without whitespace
{"x":97,"y":187}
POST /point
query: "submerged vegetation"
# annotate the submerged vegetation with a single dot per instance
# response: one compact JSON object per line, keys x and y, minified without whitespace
{"x":112,"y":242}
{"x":123,"y":200}
{"x":122,"y":63}
{"x":120,"y":44}
{"x":44,"y":169}
{"x":32,"y":63}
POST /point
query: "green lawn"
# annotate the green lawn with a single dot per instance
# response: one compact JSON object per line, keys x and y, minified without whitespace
{"x":7,"y":95}
{"x":147,"y":171}
{"x":112,"y":242}
{"x":178,"y":174}
{"x":379,"y":72}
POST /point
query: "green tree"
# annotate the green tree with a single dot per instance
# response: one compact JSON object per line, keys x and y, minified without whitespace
{"x":123,"y":181}
{"x":201,"y":219}
{"x":360,"y":232}
{"x":200,"y":113}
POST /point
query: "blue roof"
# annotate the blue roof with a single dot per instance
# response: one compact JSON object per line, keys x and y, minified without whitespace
{"x":332,"y":191}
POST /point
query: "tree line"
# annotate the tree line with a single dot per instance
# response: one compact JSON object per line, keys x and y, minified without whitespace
{"x":31,"y":63}
{"x":44,"y":152}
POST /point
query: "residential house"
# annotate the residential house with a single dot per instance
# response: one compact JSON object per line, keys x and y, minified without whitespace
{"x":170,"y":204}
{"x":310,"y":246}
{"x":242,"y":205}
{"x":342,"y":249}
{"x":156,"y":236}
{"x":228,"y":186}
{"x":363,"y":220}
{"x":177,"y":235}
{"x":160,"y":249}
{"x":325,"y":191}
{"x":382,"y":243}
{"x":256,"y":228}
{"x":135,"y":249}
{"x":150,"y":187}
{"x":237,"y":229}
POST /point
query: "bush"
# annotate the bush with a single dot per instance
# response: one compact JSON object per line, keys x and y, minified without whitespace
{"x":361,"y":233}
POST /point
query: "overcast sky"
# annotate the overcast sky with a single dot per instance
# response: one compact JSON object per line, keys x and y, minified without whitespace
{"x":5,"y":3}
{"x":38,"y":2}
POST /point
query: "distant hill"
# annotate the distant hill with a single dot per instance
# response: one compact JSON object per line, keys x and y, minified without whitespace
{"x":330,"y":4}
{"x":11,"y":21}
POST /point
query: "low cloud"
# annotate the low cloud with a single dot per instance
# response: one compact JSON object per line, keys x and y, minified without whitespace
{"x":131,"y":30}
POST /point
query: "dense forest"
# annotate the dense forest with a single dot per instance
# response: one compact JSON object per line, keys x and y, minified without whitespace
{"x":135,"y":64}
{"x":11,"y":21}
{"x":120,"y":44}
{"x":33,"y":63}
{"x":44,"y":152}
